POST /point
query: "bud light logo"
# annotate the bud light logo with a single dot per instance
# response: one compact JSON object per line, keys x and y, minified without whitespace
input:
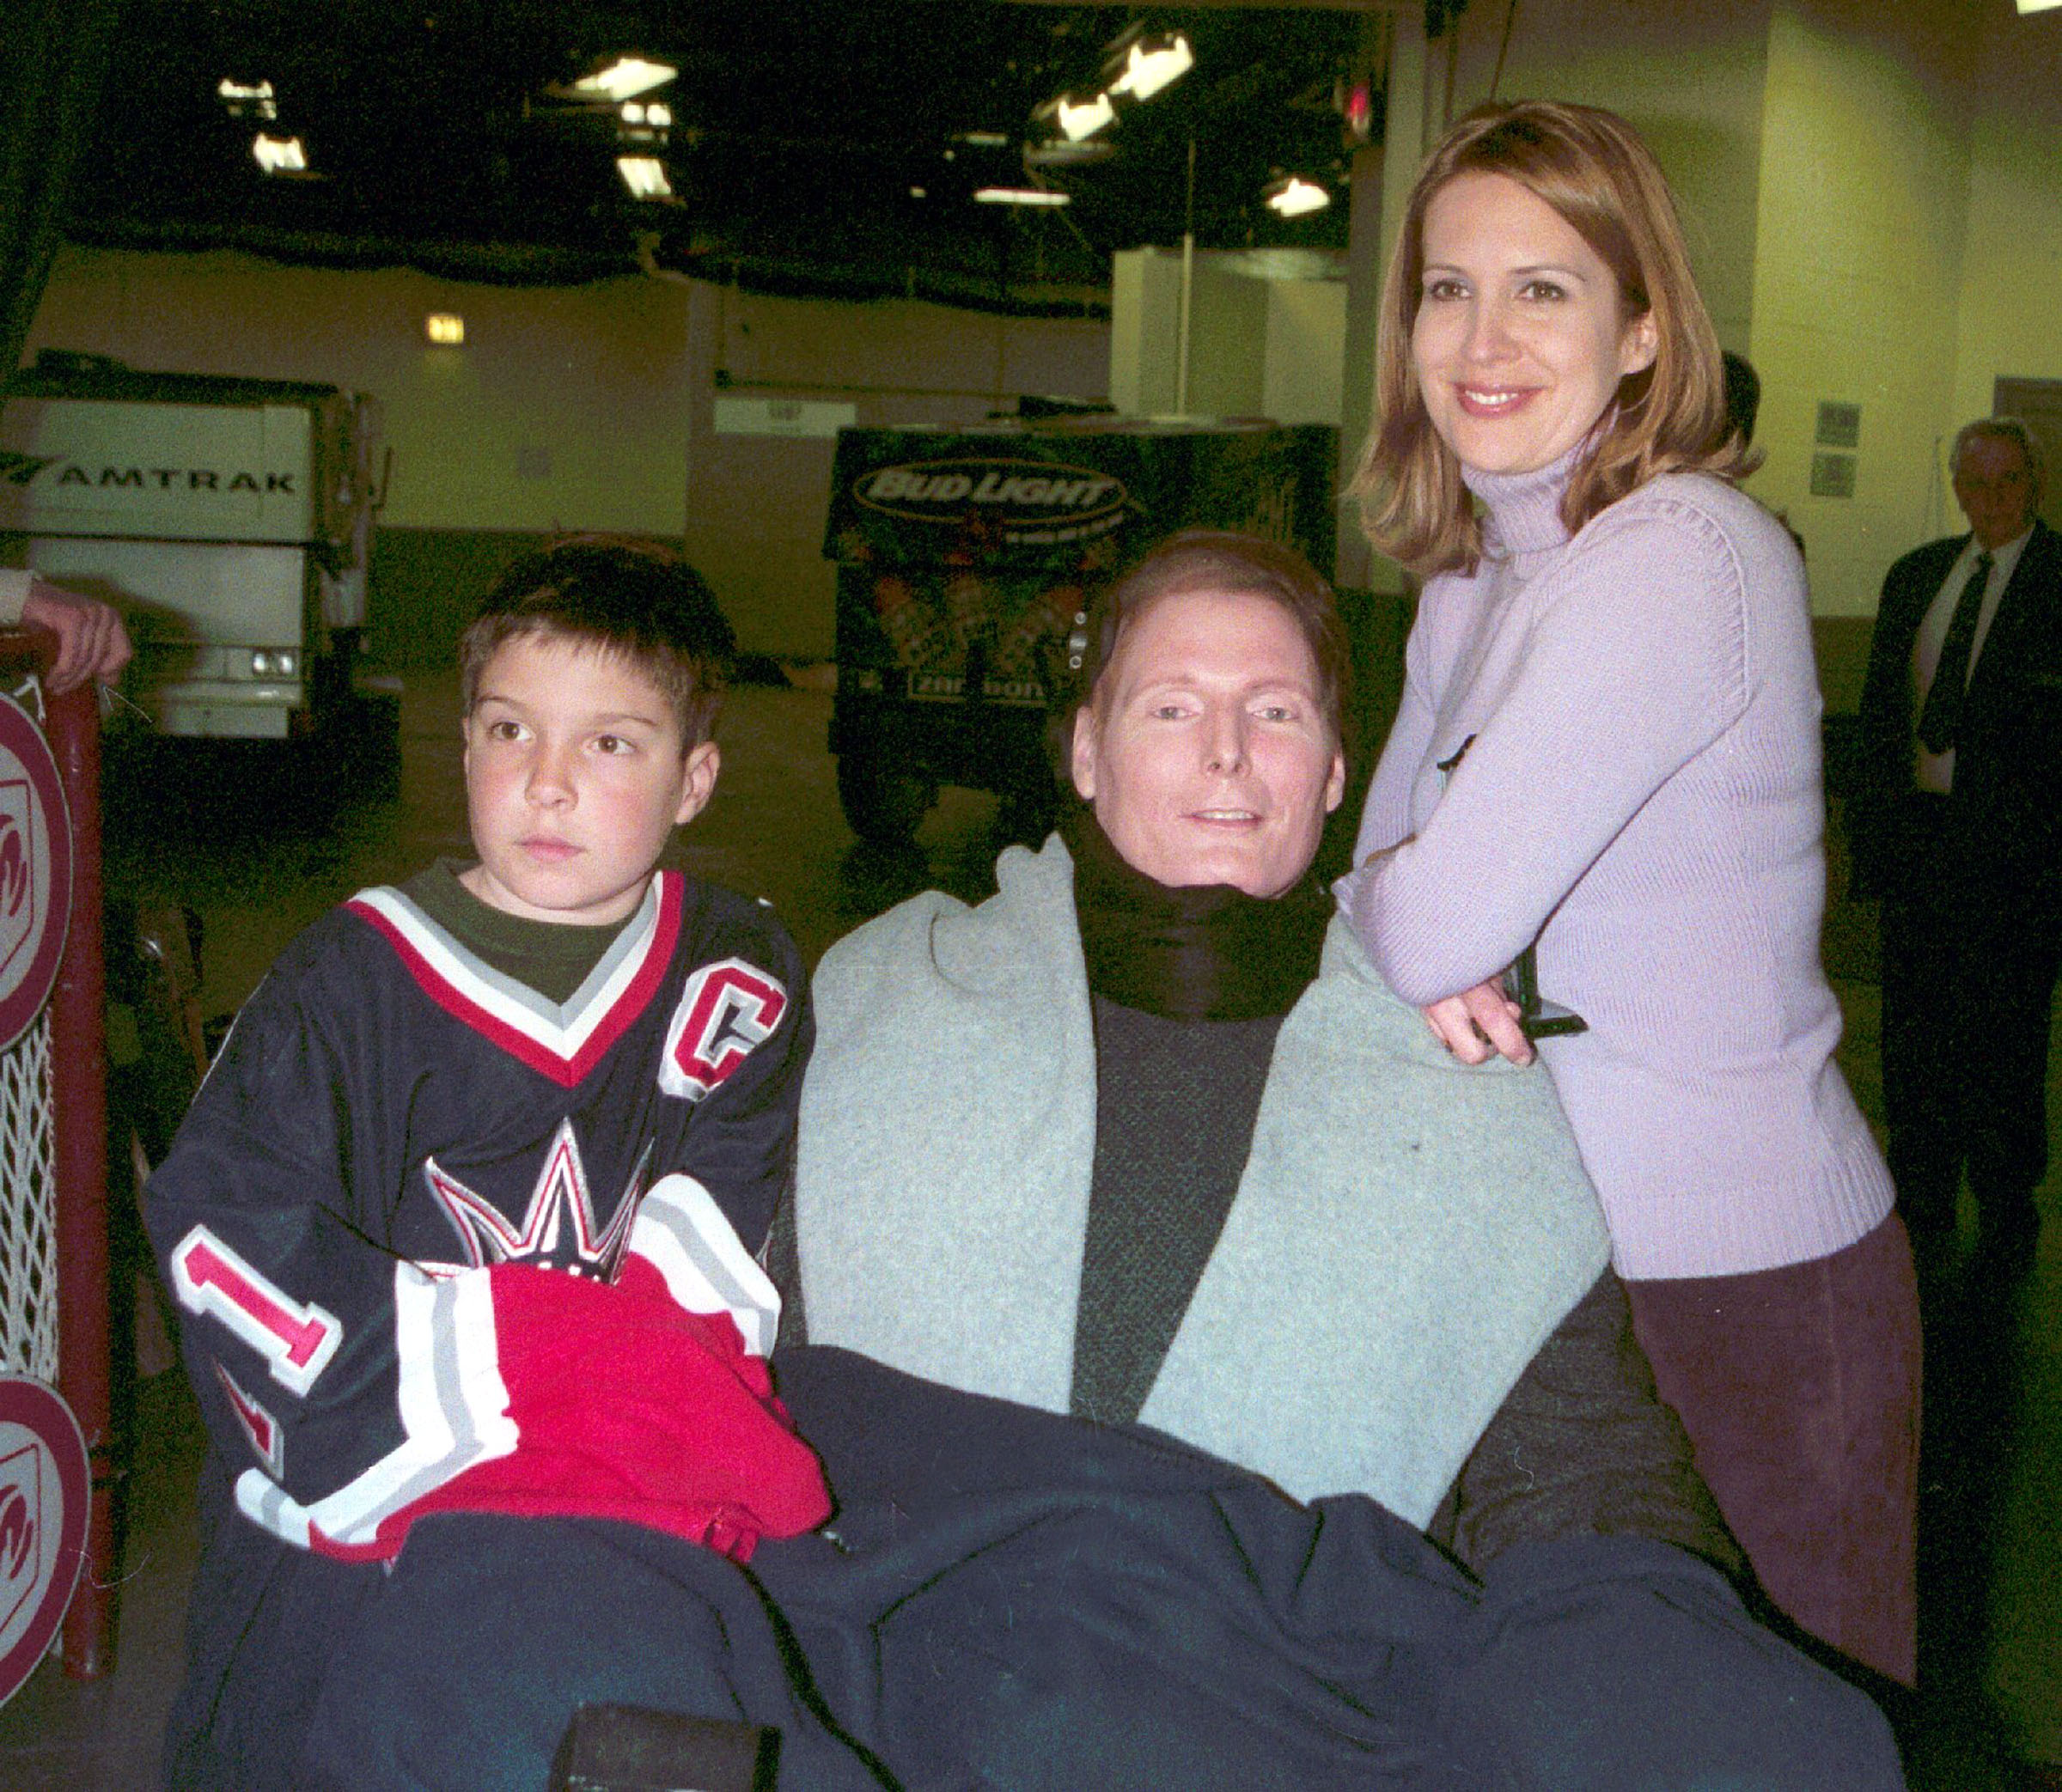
{"x":1009,"y":493}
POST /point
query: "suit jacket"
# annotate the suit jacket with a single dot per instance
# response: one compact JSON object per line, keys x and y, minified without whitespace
{"x":2006,"y":806}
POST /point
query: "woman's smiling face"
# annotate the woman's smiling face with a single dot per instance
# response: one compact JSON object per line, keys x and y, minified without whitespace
{"x":1520,"y":340}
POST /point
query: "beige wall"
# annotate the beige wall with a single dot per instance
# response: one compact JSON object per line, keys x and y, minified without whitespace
{"x":1305,"y":330}
{"x":2011,"y":274}
{"x":1864,"y":176}
{"x":1258,"y":346}
{"x":563,"y":409}
{"x":1146,"y":306}
{"x":1228,"y":336}
{"x":577,"y":408}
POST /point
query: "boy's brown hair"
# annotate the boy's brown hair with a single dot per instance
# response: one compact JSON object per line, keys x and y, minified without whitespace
{"x":638,"y":601}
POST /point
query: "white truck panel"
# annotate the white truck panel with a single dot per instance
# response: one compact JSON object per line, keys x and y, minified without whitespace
{"x":194,"y":472}
{"x":228,"y":520}
{"x":181,"y":591}
{"x":199,"y":613}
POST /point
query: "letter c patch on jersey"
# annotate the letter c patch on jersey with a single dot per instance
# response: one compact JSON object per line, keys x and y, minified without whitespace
{"x":297,"y":1341}
{"x":726,"y":1009}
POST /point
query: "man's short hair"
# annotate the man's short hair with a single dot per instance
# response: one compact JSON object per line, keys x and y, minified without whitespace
{"x":2003,"y":429}
{"x":638,"y":601}
{"x":1227,"y":564}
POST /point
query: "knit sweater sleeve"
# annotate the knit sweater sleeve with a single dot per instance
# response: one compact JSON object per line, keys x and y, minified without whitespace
{"x":1584,"y":1446}
{"x":1635,"y":658}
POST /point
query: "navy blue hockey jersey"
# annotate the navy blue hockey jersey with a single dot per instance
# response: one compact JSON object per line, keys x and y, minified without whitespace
{"x":394,"y":1129}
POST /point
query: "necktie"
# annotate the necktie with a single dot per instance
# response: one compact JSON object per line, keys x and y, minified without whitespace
{"x":1943,"y":711}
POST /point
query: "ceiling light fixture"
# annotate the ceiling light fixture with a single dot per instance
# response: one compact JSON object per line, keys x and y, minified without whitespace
{"x":1147,"y":71}
{"x":1294,"y":195}
{"x":639,"y":123}
{"x":2026,"y":6}
{"x":447,"y":329}
{"x":623,"y":79}
{"x":1021,"y":195}
{"x":279,"y":154}
{"x":1084,"y":118}
{"x":998,"y":140}
{"x":247,"y":100}
{"x":645,"y":176}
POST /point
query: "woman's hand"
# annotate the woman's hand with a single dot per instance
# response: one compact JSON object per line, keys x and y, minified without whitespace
{"x":1478,"y":1022}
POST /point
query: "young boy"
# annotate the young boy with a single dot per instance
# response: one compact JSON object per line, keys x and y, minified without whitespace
{"x":464,"y":1218}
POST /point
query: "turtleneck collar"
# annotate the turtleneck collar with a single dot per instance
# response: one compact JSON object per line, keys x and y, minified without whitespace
{"x":1525,"y":508}
{"x":1198,"y":953}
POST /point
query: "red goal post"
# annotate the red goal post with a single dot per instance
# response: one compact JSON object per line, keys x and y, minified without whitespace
{"x":54,"y":1293}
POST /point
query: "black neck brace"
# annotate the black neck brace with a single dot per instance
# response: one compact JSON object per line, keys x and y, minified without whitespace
{"x":1203,"y":952}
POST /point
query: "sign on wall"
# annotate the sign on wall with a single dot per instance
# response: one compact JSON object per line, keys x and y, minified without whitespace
{"x":783,"y":416}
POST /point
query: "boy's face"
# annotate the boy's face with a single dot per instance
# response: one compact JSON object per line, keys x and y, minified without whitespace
{"x":575,"y":779}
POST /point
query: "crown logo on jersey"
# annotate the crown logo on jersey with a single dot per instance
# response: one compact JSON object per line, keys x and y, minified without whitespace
{"x":560,"y":1213}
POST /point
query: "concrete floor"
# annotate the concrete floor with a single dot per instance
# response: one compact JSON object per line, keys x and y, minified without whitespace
{"x":259,"y":862}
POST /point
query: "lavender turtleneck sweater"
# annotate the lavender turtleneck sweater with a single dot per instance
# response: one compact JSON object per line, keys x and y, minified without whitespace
{"x":1641,"y":793}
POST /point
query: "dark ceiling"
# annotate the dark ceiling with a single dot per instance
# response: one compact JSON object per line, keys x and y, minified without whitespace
{"x":800,"y":129}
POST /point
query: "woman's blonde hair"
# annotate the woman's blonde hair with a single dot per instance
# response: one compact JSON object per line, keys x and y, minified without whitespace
{"x":1590,"y":166}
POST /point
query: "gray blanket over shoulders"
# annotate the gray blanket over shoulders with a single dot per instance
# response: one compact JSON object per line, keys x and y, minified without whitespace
{"x":1408,"y":1233}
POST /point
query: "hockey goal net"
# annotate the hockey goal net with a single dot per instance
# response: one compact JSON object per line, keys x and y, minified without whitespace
{"x":53,"y":1093}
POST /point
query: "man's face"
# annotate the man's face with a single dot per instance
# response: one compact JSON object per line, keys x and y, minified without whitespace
{"x":1995,"y":488}
{"x":1207,"y":750}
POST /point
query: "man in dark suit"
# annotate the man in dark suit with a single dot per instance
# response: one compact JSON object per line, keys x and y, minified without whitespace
{"x":1959,"y":831}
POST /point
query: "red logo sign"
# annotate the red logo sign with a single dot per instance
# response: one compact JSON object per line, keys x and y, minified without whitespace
{"x":35,"y":871}
{"x":43,"y":1495}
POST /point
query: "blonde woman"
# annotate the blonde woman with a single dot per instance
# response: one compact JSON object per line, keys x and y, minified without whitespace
{"x":1608,"y":755}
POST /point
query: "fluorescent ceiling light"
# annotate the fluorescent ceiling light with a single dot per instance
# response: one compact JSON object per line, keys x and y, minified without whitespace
{"x":1146,"y":71}
{"x":445,"y":328}
{"x":1021,"y":195}
{"x":1293,"y":196}
{"x":1086,"y":117}
{"x":2038,"y":5}
{"x":278,"y":155}
{"x":645,"y":176}
{"x":623,"y":79}
{"x":247,"y":100}
{"x":997,"y":140}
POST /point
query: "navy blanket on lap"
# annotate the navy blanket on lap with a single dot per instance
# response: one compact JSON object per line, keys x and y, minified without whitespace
{"x":1010,"y":1600}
